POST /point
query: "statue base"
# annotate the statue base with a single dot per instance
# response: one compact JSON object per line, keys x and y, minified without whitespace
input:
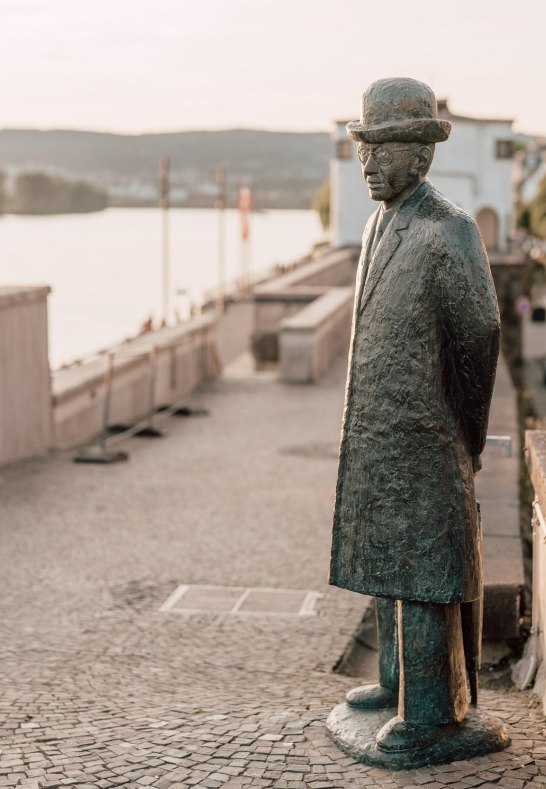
{"x":354,"y":731}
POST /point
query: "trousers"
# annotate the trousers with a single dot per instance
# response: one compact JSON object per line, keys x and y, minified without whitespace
{"x":421,"y":656}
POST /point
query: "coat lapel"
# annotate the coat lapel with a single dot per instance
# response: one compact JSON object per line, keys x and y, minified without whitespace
{"x":365,"y":259}
{"x":391,"y":240}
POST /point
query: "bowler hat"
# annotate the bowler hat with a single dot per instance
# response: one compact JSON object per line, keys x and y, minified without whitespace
{"x":399,"y":110}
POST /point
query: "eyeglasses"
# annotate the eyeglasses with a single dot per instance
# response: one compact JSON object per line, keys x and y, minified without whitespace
{"x":383,"y":156}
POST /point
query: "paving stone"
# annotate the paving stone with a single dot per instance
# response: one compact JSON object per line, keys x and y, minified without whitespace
{"x":488,"y":786}
{"x":435,"y":785}
{"x":123,"y":695}
{"x":320,"y":784}
{"x":463,"y":784}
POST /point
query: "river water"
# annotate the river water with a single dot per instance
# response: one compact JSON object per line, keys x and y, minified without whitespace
{"x":105,"y":269}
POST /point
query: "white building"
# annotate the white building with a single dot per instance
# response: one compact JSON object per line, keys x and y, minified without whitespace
{"x":473,"y":168}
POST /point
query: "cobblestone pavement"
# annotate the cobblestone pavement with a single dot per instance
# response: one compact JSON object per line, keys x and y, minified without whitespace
{"x":101,"y":689}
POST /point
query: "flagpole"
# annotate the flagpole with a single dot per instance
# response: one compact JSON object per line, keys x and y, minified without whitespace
{"x":245,"y":205}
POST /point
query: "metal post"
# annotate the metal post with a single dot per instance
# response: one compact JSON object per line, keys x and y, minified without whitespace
{"x":500,"y":441}
{"x":149,"y":431}
{"x":100,"y":453}
{"x":164,"y":204}
{"x":166,"y":305}
{"x":220,"y":205}
{"x":245,"y":265}
{"x":107,"y":398}
{"x":245,"y":206}
{"x":186,"y":410}
{"x":173,"y":368}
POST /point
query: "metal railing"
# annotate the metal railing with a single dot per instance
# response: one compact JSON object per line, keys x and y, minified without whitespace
{"x":102,"y":452}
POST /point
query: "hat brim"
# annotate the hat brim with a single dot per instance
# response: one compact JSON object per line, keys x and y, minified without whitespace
{"x":413,"y":130}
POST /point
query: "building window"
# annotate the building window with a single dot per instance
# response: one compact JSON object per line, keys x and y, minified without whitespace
{"x":504,"y":149}
{"x":344,"y":149}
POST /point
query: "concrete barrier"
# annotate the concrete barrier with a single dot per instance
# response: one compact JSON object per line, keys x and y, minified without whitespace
{"x":25,"y":388}
{"x":284,"y":296}
{"x":179,"y":357}
{"x":312,"y":339}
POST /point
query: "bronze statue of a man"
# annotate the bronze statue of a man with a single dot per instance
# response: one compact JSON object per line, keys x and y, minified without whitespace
{"x":421,"y":372}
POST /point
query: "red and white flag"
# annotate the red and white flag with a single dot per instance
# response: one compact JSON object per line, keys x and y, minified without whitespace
{"x":245,"y":206}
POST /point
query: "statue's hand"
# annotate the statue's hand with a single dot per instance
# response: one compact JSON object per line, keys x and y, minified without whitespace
{"x":476,"y":463}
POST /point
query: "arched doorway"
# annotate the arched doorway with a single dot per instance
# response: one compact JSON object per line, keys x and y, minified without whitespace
{"x":488,"y":222}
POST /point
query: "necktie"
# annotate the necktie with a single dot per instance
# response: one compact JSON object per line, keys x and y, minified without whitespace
{"x":379,"y":230}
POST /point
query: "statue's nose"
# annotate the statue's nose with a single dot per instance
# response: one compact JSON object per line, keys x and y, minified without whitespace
{"x":371,"y":166}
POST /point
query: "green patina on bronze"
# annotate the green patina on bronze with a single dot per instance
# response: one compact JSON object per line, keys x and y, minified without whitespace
{"x":421,"y":371}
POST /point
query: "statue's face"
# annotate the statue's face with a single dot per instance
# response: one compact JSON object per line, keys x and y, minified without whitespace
{"x":390,"y":168}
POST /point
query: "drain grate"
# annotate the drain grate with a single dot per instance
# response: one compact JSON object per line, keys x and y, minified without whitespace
{"x":240,"y":600}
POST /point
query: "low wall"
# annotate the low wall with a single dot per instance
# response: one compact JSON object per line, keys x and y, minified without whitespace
{"x":179,"y":357}
{"x":532,"y":668}
{"x":270,"y":310}
{"x":311,"y":340}
{"x":25,"y":389}
{"x":334,"y":267}
{"x":284,"y":296}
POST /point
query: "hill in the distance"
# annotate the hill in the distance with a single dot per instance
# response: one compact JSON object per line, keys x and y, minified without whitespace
{"x":284,"y":169}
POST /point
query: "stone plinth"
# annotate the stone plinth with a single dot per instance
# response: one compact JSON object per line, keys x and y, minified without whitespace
{"x":354,"y":732}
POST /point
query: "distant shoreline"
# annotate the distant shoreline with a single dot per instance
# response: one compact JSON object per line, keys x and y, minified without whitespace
{"x":293,"y":203}
{"x":284,"y":170}
{"x":179,"y":206}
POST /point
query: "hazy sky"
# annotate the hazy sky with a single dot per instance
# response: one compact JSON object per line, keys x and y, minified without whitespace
{"x":153,"y":65}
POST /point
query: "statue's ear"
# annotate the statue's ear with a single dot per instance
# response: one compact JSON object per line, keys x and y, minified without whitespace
{"x":425,"y":158}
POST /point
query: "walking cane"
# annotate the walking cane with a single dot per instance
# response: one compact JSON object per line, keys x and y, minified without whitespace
{"x":472,"y":623}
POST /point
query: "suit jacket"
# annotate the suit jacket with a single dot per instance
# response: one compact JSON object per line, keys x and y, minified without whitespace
{"x":421,"y":372}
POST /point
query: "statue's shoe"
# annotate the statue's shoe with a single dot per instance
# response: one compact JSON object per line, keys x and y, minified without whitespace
{"x":372,"y":697}
{"x":398,"y":735}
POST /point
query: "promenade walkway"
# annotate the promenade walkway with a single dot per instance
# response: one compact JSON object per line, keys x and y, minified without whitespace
{"x":102,"y":689}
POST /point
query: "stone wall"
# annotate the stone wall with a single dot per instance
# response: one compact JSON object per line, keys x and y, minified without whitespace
{"x":25,"y":391}
{"x":312,"y":340}
{"x":284,"y":296}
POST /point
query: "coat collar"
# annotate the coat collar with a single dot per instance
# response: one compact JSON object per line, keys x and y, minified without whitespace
{"x":391,"y":239}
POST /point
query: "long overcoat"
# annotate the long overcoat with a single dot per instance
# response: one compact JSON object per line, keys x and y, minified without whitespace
{"x":421,"y":371}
